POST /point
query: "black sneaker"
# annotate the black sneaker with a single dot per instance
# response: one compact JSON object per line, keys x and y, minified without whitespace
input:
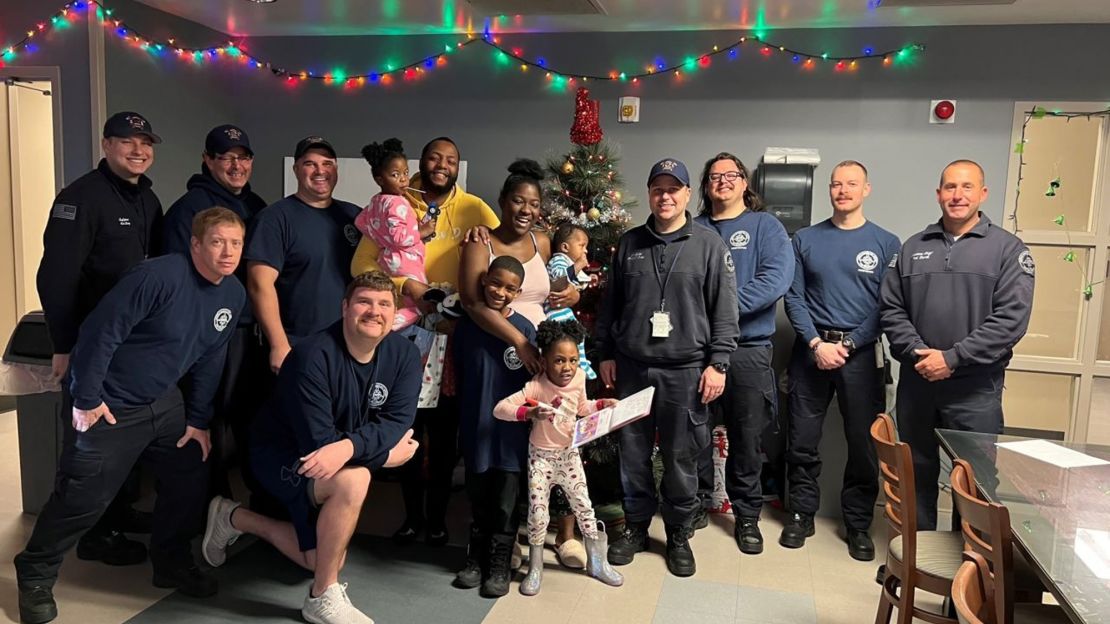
{"x":500,"y":555}
{"x":860,"y":546}
{"x":797,"y":529}
{"x":113,"y":548}
{"x":477,"y":552}
{"x":701,"y":518}
{"x":632,"y":540}
{"x":36,"y":604}
{"x":188,"y":580}
{"x":407,"y":534}
{"x":747,"y":535}
{"x":680,"y":557}
{"x":436,"y":537}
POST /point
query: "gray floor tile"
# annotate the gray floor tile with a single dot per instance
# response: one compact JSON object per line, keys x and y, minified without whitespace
{"x":692,"y":595}
{"x":771,"y":606}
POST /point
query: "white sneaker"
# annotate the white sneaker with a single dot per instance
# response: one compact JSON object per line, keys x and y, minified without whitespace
{"x":332,"y":607}
{"x":219,"y":534}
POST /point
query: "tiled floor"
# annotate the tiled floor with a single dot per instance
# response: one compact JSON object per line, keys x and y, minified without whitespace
{"x":818,"y":584}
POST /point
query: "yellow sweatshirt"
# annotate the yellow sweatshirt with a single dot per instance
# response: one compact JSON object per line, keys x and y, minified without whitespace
{"x":458,"y":213}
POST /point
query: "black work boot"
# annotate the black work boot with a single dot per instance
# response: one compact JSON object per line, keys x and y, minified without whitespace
{"x":701,"y":518}
{"x":187,"y":579}
{"x":860,"y":546}
{"x":36,"y":604}
{"x":747,"y":535}
{"x":113,"y":548}
{"x":633,"y":539}
{"x":477,"y":551}
{"x":496,"y":584}
{"x":797,"y":529}
{"x":680,"y":557}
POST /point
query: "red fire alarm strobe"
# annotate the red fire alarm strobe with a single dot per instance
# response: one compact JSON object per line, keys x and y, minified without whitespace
{"x":943,"y":112}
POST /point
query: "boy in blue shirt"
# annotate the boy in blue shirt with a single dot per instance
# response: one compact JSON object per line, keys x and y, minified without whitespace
{"x":494,"y":451}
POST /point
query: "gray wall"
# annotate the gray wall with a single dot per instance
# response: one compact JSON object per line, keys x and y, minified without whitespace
{"x":69,"y":51}
{"x":875,"y":115}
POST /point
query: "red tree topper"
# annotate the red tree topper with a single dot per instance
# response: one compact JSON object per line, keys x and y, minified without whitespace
{"x":586,"y":129}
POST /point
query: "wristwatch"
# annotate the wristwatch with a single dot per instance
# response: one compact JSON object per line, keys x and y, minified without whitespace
{"x":720,"y":367}
{"x":849,"y":344}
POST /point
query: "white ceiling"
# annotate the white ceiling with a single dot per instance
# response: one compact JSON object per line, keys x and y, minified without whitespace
{"x":392,"y":17}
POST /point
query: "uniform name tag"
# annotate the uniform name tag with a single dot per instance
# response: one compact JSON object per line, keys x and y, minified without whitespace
{"x":64,"y":211}
{"x":661,"y":324}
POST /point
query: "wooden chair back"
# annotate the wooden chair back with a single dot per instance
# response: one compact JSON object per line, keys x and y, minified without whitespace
{"x":987,"y":533}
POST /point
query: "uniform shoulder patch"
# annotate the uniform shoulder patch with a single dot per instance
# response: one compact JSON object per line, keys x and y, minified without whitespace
{"x":729,"y":265}
{"x":893,"y":261}
{"x":64,"y":211}
{"x":1025,"y":261}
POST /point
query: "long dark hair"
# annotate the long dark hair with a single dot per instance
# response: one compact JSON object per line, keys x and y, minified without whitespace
{"x":751,"y":199}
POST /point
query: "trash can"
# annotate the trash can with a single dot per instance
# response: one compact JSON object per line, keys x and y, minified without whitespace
{"x":38,"y":416}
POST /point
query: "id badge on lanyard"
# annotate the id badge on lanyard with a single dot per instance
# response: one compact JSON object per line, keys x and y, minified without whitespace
{"x":661,"y":325}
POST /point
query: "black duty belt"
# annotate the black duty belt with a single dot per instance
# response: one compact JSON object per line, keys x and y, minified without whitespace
{"x":833,"y":335}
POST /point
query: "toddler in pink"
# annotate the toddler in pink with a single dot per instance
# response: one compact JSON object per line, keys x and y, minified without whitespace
{"x":391,"y":222}
{"x":553,"y":400}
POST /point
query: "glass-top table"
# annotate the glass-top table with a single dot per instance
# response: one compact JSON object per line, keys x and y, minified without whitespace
{"x":1060,"y":515}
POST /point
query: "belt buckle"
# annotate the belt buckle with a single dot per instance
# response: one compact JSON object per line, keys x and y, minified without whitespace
{"x":834,"y":335}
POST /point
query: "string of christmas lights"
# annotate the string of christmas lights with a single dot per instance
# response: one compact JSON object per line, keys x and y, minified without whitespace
{"x":71,"y":11}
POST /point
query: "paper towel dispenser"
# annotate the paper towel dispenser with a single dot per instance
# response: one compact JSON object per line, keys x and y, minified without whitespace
{"x":787,"y":191}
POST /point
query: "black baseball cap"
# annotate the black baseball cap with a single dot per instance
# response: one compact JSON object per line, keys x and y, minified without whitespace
{"x":671,"y":167}
{"x":222,"y":139}
{"x":313,"y":142}
{"x":127,"y":124}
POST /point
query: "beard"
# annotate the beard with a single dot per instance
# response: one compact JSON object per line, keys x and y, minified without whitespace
{"x":429,"y":186}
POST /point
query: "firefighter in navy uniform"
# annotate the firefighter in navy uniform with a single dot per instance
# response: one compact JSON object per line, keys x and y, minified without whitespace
{"x":953,"y":307}
{"x":170,"y":318}
{"x":101,"y":225}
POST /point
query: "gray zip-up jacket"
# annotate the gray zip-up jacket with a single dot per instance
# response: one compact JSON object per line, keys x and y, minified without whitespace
{"x":700,"y":298}
{"x":970,"y":298}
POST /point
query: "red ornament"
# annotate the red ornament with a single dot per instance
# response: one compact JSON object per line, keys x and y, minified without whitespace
{"x":586,"y":129}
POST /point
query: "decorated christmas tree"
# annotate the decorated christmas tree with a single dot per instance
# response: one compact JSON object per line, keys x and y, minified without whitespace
{"x":583,"y":186}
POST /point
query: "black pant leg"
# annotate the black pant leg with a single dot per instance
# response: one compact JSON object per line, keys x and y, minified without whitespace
{"x":916,"y":415}
{"x":637,"y":440}
{"x":506,"y":499}
{"x":749,"y":404}
{"x":811,"y":390}
{"x":443,"y":456}
{"x":861,"y":395}
{"x":92,"y":468}
{"x":682,"y":421}
{"x":181,"y":486}
{"x":227,"y":406}
{"x":412,"y":472}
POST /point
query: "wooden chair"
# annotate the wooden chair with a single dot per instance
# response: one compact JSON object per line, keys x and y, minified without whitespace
{"x":925,"y":560}
{"x":987,"y":534}
{"x":974,"y":595}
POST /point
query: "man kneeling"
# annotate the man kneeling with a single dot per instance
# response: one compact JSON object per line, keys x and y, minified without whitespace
{"x":343,"y":402}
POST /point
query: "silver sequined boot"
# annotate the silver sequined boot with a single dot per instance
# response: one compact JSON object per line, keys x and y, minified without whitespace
{"x":597,"y":565}
{"x":530,"y":586}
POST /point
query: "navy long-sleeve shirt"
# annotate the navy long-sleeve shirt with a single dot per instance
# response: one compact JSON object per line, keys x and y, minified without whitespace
{"x":760,"y":250}
{"x":324,"y":395}
{"x":311,"y":248}
{"x":203,"y":193}
{"x":99,"y":227}
{"x":837,"y":276}
{"x":970,"y":298}
{"x":163,"y":320}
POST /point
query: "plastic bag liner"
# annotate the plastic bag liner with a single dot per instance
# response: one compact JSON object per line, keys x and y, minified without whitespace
{"x":20,"y":379}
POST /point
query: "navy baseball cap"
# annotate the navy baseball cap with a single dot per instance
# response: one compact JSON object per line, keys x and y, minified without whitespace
{"x":127,"y":124}
{"x":671,"y":167}
{"x":313,"y":142}
{"x":222,"y":139}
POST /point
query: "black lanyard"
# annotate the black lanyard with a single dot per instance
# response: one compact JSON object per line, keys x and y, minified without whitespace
{"x":664,"y":280}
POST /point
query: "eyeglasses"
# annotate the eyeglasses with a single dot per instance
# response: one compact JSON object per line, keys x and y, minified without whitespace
{"x":730,"y":176}
{"x":231,"y":160}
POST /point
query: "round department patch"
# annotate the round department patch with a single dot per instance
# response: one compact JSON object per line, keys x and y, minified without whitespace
{"x":867,"y":261}
{"x":222,"y":318}
{"x":512,"y":360}
{"x":730,"y":266}
{"x":351,"y":233}
{"x":1025,"y":261}
{"x":739,"y":239}
{"x":378,"y":394}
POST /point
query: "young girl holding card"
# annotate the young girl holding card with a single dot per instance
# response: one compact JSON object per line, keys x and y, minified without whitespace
{"x":553,"y":400}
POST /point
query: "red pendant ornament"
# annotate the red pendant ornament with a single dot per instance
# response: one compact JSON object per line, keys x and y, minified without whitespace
{"x":586,"y":129}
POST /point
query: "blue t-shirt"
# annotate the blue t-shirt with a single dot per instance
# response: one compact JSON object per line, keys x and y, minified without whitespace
{"x":488,"y":370}
{"x":324,"y":395}
{"x":311,"y":248}
{"x":837,"y":279}
{"x":764,"y":264}
{"x":161,"y":321}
